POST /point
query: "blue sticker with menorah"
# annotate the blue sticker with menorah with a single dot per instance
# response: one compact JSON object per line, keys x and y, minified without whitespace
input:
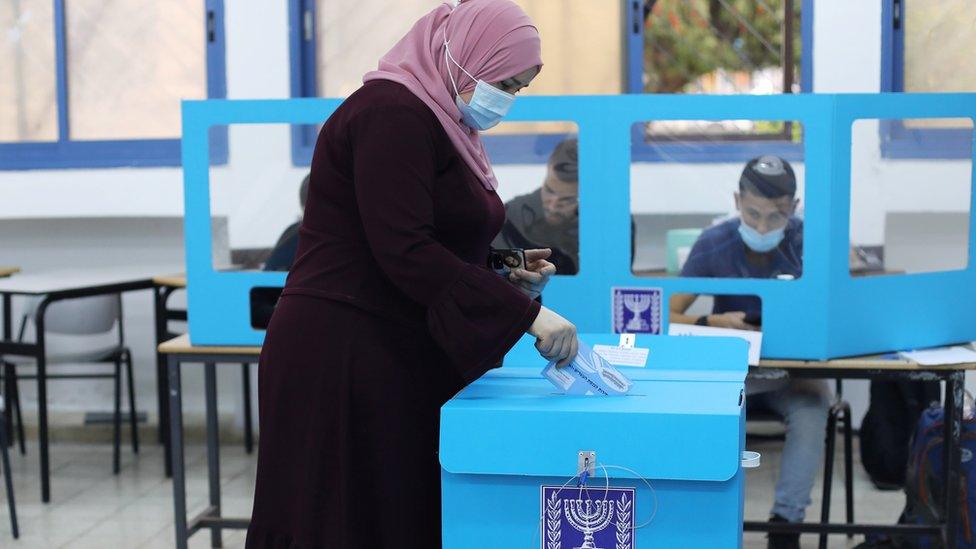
{"x":636,"y":310}
{"x":588,"y":518}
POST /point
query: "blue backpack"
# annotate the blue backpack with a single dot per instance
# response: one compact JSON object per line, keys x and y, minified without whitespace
{"x":924,"y":492}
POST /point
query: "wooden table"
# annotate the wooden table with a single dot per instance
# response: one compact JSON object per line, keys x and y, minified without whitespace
{"x":53,"y":286}
{"x":174,"y":281}
{"x":179,"y":351}
{"x":164,"y":286}
{"x":886,"y":367}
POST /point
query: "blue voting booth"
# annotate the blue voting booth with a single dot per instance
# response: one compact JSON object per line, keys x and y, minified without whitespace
{"x":511,"y":445}
{"x":842,"y":315}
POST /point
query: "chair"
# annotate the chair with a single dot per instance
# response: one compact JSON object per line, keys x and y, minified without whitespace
{"x":83,"y":331}
{"x":7,"y":480}
{"x":840,"y":412}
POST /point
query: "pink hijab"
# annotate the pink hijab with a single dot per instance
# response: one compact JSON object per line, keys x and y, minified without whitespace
{"x":492,"y":39}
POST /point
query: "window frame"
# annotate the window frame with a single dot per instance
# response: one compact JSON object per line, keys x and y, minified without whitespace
{"x":897,"y":140}
{"x":732,"y":150}
{"x":66,"y":153}
{"x":526,"y":149}
{"x":502,"y":149}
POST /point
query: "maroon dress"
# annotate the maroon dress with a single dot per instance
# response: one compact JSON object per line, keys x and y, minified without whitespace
{"x":388,"y":312}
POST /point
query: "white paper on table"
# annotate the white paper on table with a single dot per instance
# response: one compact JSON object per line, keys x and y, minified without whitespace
{"x":753,"y":337}
{"x":623,"y":356}
{"x":942,"y":355}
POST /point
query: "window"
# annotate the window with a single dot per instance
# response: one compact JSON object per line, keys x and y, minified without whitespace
{"x":99,"y":83}
{"x":673,"y":202}
{"x":334,"y":42}
{"x":926,"y":47}
{"x":754,"y":47}
{"x":908,"y":217}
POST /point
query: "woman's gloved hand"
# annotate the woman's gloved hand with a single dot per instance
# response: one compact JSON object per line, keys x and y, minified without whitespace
{"x":536,"y":274}
{"x":555,"y":337}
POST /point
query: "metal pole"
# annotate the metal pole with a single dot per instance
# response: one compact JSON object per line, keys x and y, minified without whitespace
{"x":176,"y":451}
{"x":213,"y":448}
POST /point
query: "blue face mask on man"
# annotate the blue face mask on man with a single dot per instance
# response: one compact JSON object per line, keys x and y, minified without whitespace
{"x":487,"y":106}
{"x":759,"y":242}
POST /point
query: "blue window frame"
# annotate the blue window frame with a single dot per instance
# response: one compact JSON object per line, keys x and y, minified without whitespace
{"x":716,"y":151}
{"x":897,"y":140}
{"x":522,"y":149}
{"x":68,"y":153}
{"x":301,"y":47}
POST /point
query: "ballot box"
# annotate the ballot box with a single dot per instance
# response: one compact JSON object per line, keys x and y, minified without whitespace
{"x":662,"y":464}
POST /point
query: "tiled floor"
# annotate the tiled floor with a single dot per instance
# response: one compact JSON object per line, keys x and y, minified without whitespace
{"x":91,"y":508}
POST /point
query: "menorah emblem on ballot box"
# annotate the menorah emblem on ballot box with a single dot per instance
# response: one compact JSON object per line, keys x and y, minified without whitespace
{"x":587,"y":518}
{"x":637,"y":310}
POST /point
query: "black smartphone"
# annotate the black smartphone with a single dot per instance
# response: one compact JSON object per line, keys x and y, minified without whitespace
{"x":504,"y":260}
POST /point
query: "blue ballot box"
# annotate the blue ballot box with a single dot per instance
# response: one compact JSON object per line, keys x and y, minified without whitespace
{"x":511,"y":448}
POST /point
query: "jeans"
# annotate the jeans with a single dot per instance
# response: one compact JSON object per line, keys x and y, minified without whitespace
{"x":804,"y":405}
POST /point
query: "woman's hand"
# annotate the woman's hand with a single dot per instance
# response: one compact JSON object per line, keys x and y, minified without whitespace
{"x":536,"y":274}
{"x":555,"y":337}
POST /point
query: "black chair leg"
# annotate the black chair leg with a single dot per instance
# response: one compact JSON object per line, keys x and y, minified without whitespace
{"x":8,"y":393}
{"x":133,"y":419}
{"x":248,"y":421}
{"x":18,"y":415}
{"x":11,"y":505}
{"x":828,"y":471}
{"x":117,"y":416}
{"x":848,"y":466}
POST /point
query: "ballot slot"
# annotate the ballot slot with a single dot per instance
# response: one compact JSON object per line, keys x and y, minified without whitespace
{"x":717,"y":198}
{"x":537,"y":167}
{"x":910,"y":206}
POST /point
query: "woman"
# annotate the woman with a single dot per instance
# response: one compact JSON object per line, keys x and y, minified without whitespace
{"x":389,"y":309}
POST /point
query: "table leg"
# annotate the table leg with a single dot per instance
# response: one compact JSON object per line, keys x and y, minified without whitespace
{"x":42,"y":424}
{"x":162,"y":397}
{"x":176,"y":451}
{"x":213,"y":448}
{"x":952,"y":454}
{"x":248,"y":421}
{"x":8,"y":395}
{"x":8,"y":371}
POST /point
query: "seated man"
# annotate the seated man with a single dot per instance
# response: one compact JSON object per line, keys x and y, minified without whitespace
{"x":283,"y":253}
{"x":549,"y":216}
{"x":765,"y":241}
{"x":264,"y":299}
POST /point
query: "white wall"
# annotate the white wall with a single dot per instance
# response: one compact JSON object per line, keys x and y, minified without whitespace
{"x":847,"y":57}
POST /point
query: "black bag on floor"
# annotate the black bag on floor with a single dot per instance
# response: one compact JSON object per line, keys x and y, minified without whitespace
{"x":887,"y":428}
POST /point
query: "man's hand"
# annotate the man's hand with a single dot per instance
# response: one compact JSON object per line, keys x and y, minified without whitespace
{"x":536,"y":274}
{"x":735,"y":320}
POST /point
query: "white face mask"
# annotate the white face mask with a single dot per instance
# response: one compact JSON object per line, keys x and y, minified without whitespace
{"x":760,"y":242}
{"x":488,"y":105}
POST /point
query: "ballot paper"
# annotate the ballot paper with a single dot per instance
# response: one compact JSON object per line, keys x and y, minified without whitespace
{"x":753,"y":337}
{"x":941,"y":356}
{"x":623,"y":356}
{"x":587,"y":374}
